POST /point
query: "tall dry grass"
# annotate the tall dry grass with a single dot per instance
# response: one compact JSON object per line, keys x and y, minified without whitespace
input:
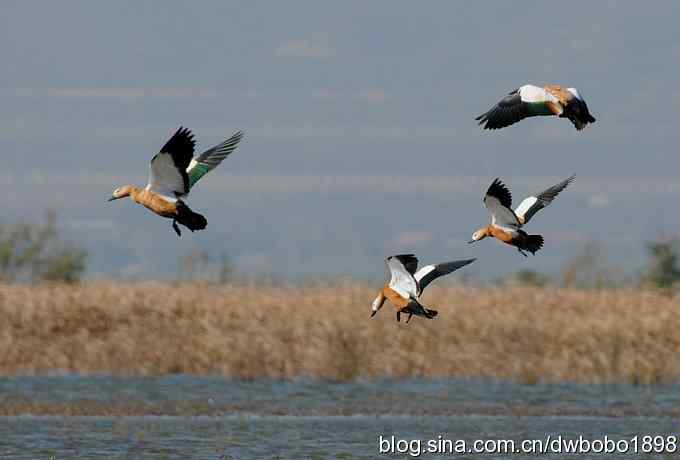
{"x":324,"y":331}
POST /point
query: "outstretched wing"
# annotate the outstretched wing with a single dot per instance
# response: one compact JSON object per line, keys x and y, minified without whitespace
{"x":531,"y":205}
{"x":167,"y":171}
{"x":401,"y":277}
{"x":498,"y":201}
{"x":209,"y":159}
{"x":508,"y":111}
{"x":409,"y":261}
{"x":429,"y":273}
{"x":500,"y":191}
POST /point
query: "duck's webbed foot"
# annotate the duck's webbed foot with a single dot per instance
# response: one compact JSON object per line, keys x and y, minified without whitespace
{"x":175,"y":227}
{"x":522,"y":252}
{"x":409,"y":317}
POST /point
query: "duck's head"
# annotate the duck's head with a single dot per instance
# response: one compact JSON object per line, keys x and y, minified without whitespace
{"x":377,"y":304}
{"x":121,"y":192}
{"x":479,"y":235}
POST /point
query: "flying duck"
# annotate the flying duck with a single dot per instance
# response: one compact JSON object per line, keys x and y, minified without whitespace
{"x":406,"y":285}
{"x":506,"y":224}
{"x":172,"y":173}
{"x":533,"y":101}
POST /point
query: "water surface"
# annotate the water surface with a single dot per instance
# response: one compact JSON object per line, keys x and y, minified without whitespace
{"x":212,"y":418}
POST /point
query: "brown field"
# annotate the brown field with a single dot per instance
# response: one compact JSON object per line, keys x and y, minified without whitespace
{"x":324,"y":331}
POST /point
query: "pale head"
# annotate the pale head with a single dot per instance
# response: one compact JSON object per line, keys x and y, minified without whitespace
{"x":479,"y":235}
{"x":377,"y":304}
{"x":121,"y":192}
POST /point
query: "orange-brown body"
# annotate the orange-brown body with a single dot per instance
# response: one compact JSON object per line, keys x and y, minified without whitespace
{"x":407,"y":306}
{"x":501,"y":234}
{"x":150,"y":200}
{"x":395,"y":299}
{"x":563,"y":96}
{"x":560,"y":93}
{"x":520,"y":239}
{"x":155,"y":203}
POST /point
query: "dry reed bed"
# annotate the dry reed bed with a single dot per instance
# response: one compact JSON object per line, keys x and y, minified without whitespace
{"x":324,"y":331}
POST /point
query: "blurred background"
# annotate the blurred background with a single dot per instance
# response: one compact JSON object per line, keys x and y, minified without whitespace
{"x":360,"y":143}
{"x":360,"y":133}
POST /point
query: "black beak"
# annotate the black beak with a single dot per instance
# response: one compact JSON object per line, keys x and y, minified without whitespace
{"x":471,"y":241}
{"x":374,"y":312}
{"x":112,"y":198}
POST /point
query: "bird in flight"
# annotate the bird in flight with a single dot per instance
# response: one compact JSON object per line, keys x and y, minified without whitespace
{"x":407,"y":284}
{"x":506,"y":224}
{"x":172,"y":173}
{"x":534,"y":101}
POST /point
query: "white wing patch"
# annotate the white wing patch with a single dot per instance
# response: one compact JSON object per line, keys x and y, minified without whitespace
{"x":575,"y":92}
{"x":420,"y":274}
{"x":423,"y":271}
{"x":164,"y":177}
{"x":524,"y":206}
{"x":531,"y":93}
{"x":401,"y":281}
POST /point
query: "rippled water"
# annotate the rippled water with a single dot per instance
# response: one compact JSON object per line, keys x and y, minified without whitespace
{"x":306,"y":419}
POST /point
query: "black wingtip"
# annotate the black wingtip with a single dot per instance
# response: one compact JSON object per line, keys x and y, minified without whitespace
{"x":237,"y":136}
{"x":483,"y":120}
{"x":500,"y":191}
{"x":458,"y":264}
{"x":398,"y":256}
{"x":462,"y":262}
{"x":565,"y":183}
{"x":497,"y":185}
{"x":184,"y":132}
{"x":180,"y":142}
{"x":409,"y":261}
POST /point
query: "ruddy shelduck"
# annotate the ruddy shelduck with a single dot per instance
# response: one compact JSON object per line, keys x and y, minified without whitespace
{"x":506,"y":224}
{"x":406,"y":285}
{"x":172,"y":174}
{"x":534,"y":101}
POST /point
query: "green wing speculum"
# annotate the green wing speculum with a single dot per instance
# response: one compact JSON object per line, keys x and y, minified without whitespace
{"x":209,"y":159}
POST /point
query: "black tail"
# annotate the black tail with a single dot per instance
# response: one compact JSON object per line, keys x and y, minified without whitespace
{"x":430,"y":313}
{"x":586,"y":113}
{"x":191,"y":220}
{"x":417,"y":309}
{"x":577,"y":112}
{"x":532,"y":243}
